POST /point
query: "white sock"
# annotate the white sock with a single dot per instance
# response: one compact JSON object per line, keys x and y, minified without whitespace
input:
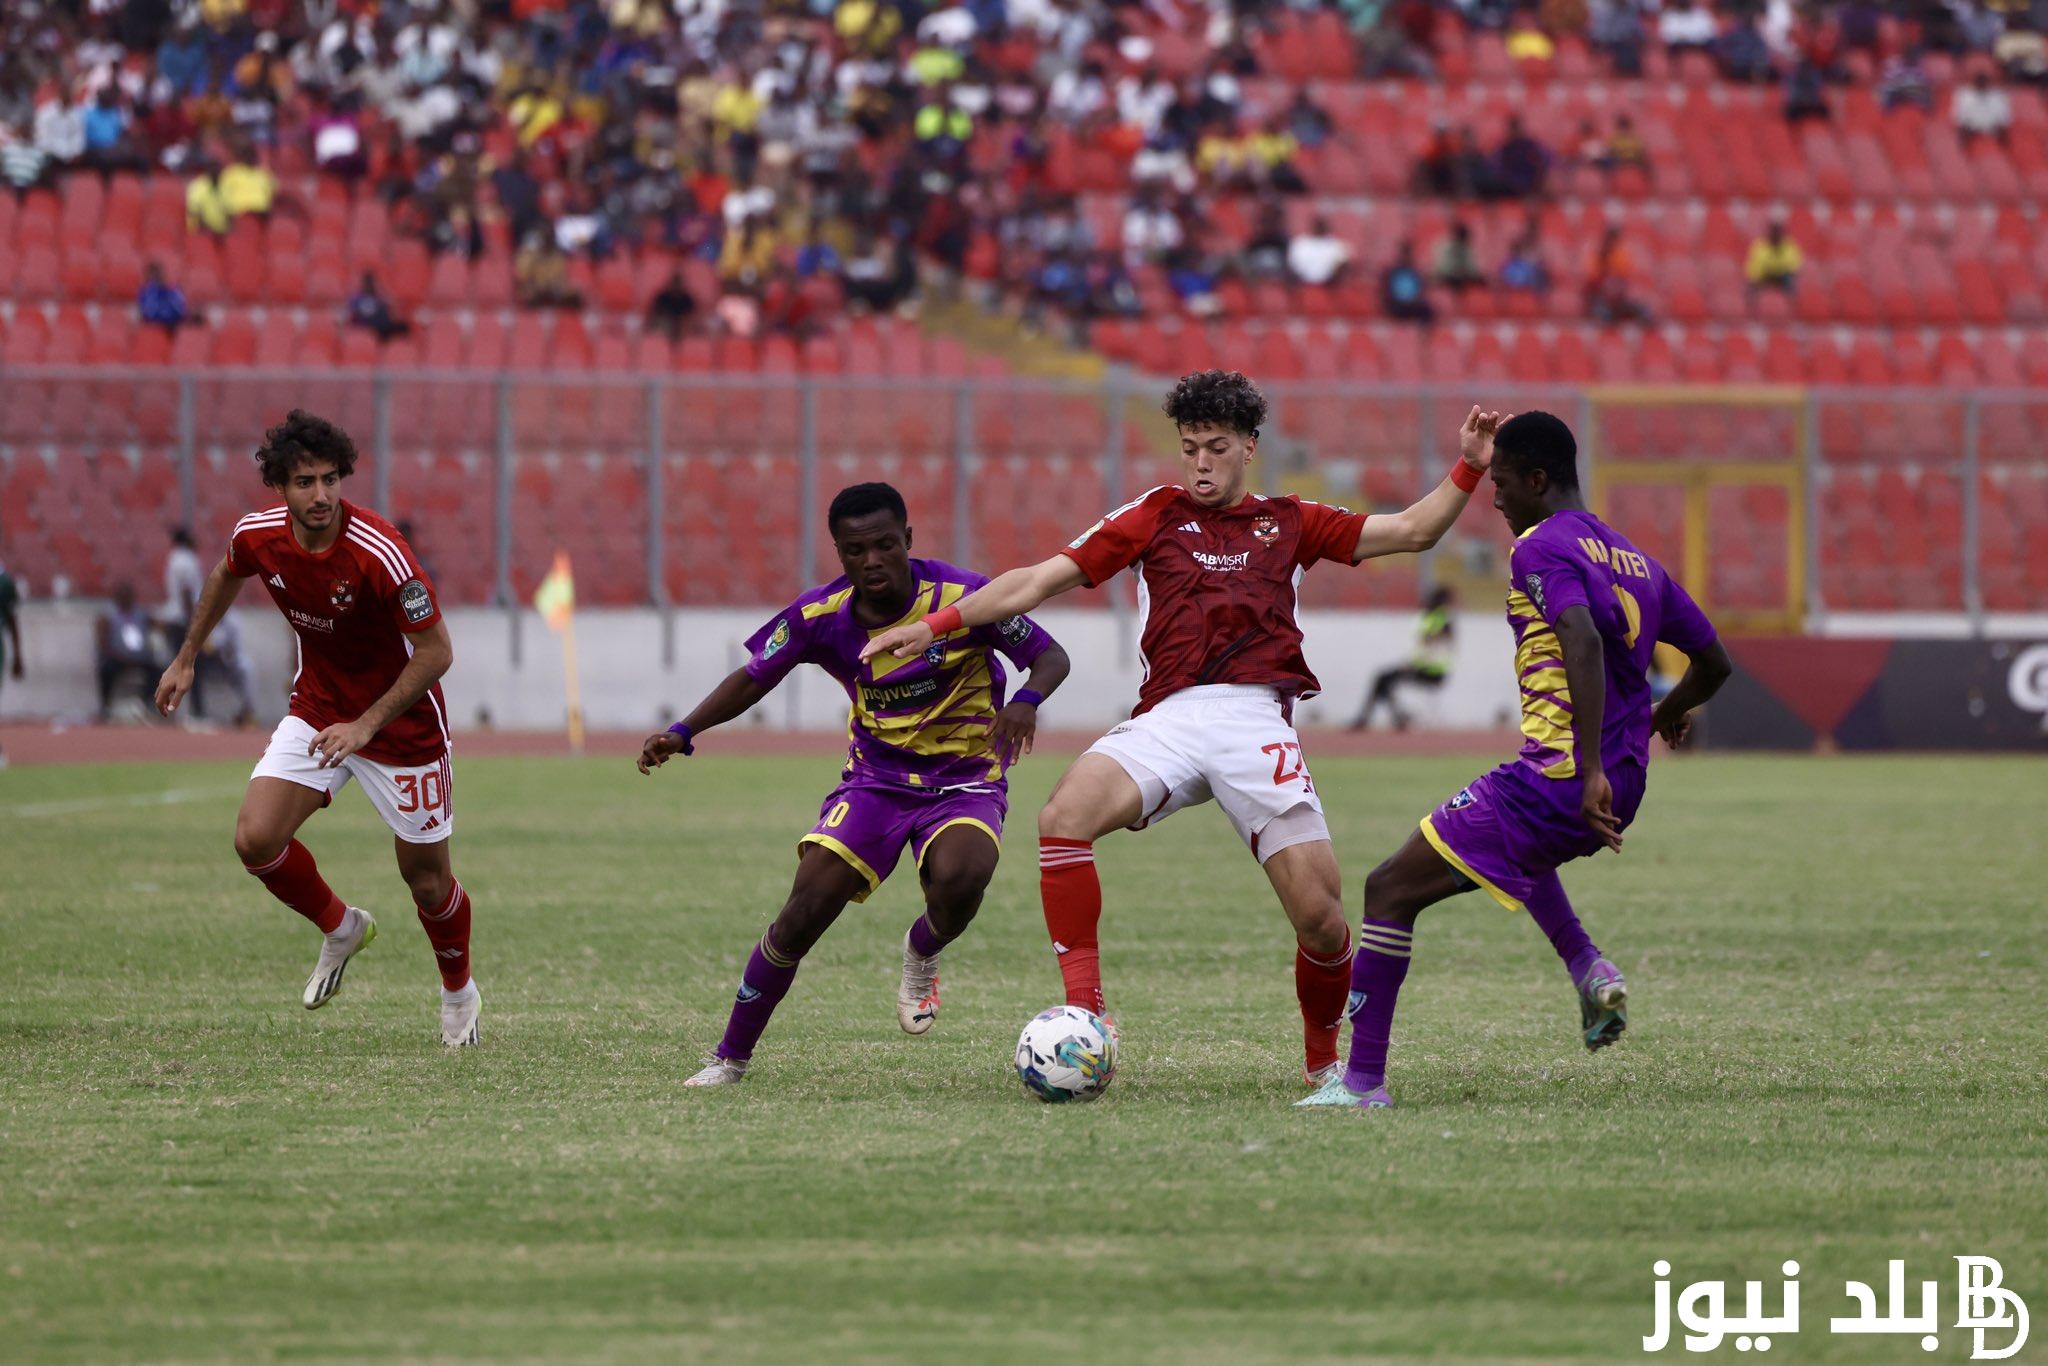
{"x":468,"y":993}
{"x":351,"y":921}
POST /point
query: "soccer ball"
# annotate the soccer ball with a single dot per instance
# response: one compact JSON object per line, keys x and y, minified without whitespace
{"x":1066,"y":1053}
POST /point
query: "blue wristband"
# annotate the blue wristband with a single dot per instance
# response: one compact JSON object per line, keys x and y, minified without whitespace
{"x":1030,"y":697}
{"x":680,"y":729}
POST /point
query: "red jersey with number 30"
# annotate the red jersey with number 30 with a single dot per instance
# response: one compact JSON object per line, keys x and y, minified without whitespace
{"x":1216,"y":586}
{"x":353,"y":607}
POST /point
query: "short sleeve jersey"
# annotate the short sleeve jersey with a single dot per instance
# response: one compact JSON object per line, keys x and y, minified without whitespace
{"x":354,"y":608}
{"x":923,"y":722}
{"x":1574,"y":559}
{"x":1217,"y":586}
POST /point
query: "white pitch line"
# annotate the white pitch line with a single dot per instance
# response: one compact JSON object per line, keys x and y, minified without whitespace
{"x":80,"y":805}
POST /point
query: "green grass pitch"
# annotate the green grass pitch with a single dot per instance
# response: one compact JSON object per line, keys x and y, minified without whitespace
{"x":1836,"y":1056}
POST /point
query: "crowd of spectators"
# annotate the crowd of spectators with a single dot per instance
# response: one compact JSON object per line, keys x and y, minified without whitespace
{"x":812,"y":155}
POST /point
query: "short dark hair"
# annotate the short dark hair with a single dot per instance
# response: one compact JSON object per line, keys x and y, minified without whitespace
{"x":858,"y":500}
{"x":1217,"y":398}
{"x":303,"y":438}
{"x":1539,"y":441}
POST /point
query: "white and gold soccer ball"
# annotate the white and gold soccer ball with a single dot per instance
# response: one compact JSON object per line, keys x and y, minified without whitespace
{"x":1066,"y":1053}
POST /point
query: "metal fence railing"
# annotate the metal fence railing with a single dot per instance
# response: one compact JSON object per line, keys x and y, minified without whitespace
{"x":678,"y":489}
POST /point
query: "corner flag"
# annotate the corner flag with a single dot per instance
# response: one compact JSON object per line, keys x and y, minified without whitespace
{"x":555,"y":600}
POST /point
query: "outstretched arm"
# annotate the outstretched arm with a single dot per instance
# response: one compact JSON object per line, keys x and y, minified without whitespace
{"x":1008,"y":594}
{"x":737,"y":692}
{"x":433,"y":653}
{"x":1706,"y":671}
{"x":1585,"y":677}
{"x":222,"y":588}
{"x":1421,"y":525}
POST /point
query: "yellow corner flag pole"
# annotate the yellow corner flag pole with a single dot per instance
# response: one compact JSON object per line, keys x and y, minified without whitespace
{"x":555,"y":600}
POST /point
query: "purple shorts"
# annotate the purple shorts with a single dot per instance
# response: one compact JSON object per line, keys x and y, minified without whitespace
{"x":1513,"y":827}
{"x":867,"y":823}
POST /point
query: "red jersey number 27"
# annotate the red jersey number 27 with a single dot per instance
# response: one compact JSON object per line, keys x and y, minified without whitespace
{"x":1287,"y":764}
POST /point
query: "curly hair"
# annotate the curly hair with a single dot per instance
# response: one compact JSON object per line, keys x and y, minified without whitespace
{"x":303,"y":438}
{"x":1217,"y":398}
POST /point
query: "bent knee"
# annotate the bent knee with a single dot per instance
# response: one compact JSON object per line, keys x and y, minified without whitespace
{"x":1066,"y":820}
{"x":1388,"y":895}
{"x":256,"y":844}
{"x":430,"y":890}
{"x":956,"y":890}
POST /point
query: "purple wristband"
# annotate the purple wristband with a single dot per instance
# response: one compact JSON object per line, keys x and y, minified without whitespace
{"x":680,"y":729}
{"x":1029,"y":696}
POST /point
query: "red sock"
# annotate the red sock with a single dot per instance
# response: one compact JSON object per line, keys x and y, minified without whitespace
{"x":448,"y":931}
{"x":1322,"y":985}
{"x":1073,"y":904}
{"x":294,"y":879}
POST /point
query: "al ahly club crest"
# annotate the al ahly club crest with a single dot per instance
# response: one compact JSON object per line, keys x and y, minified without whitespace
{"x":1266,"y":530}
{"x":343,"y":597}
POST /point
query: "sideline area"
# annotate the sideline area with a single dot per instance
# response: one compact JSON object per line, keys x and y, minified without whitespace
{"x":30,"y":744}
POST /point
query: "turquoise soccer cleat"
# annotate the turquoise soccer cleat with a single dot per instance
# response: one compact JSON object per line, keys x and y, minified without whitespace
{"x":1335,"y":1093}
{"x":1603,"y":1005}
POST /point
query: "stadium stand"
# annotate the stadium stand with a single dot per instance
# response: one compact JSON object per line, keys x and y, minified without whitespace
{"x":522,"y":177}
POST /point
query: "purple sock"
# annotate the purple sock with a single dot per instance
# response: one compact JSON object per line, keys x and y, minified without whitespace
{"x":924,"y":940}
{"x":762,"y":986}
{"x":1376,"y":973}
{"x":1553,"y":914}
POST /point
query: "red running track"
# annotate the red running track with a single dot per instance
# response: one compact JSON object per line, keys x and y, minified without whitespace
{"x":27,"y":744}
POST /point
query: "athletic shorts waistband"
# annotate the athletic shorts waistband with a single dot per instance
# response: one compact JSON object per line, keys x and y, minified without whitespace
{"x":1222,"y":692}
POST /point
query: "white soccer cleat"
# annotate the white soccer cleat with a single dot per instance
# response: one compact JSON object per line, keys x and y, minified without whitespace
{"x":358,"y":927}
{"x":458,"y":1016}
{"x":719,"y":1072}
{"x":917,"y":996}
{"x":1322,"y":1076}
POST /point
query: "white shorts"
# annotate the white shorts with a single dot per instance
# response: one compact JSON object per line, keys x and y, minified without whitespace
{"x":1233,"y":743}
{"x":417,"y":803}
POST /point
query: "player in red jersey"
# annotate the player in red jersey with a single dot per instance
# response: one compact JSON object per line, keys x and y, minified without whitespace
{"x":1218,"y":567}
{"x":366,"y":704}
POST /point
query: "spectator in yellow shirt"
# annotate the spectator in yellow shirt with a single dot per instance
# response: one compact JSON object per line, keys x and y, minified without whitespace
{"x":736,"y":108}
{"x":205,"y":210}
{"x":868,"y":27}
{"x":534,"y":113}
{"x":747,"y":256}
{"x":1774,"y":260}
{"x":1529,"y":43}
{"x":247,"y":187}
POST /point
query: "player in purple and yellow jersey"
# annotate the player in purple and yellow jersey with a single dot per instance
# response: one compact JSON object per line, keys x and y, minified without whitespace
{"x":1587,"y":608}
{"x":930,"y":740}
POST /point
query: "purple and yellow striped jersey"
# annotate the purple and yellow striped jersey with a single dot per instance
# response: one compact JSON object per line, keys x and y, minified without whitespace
{"x":923,"y":722}
{"x":1572,"y":559}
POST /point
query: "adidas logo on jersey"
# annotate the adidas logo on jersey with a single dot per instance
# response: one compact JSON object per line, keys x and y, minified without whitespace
{"x":1195,"y":527}
{"x":277,"y":581}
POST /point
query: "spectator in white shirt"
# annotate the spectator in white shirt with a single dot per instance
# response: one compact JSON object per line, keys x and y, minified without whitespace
{"x":1692,"y":26}
{"x":60,"y":130}
{"x":1318,"y":256}
{"x":1981,"y":109}
{"x":1151,"y":230}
